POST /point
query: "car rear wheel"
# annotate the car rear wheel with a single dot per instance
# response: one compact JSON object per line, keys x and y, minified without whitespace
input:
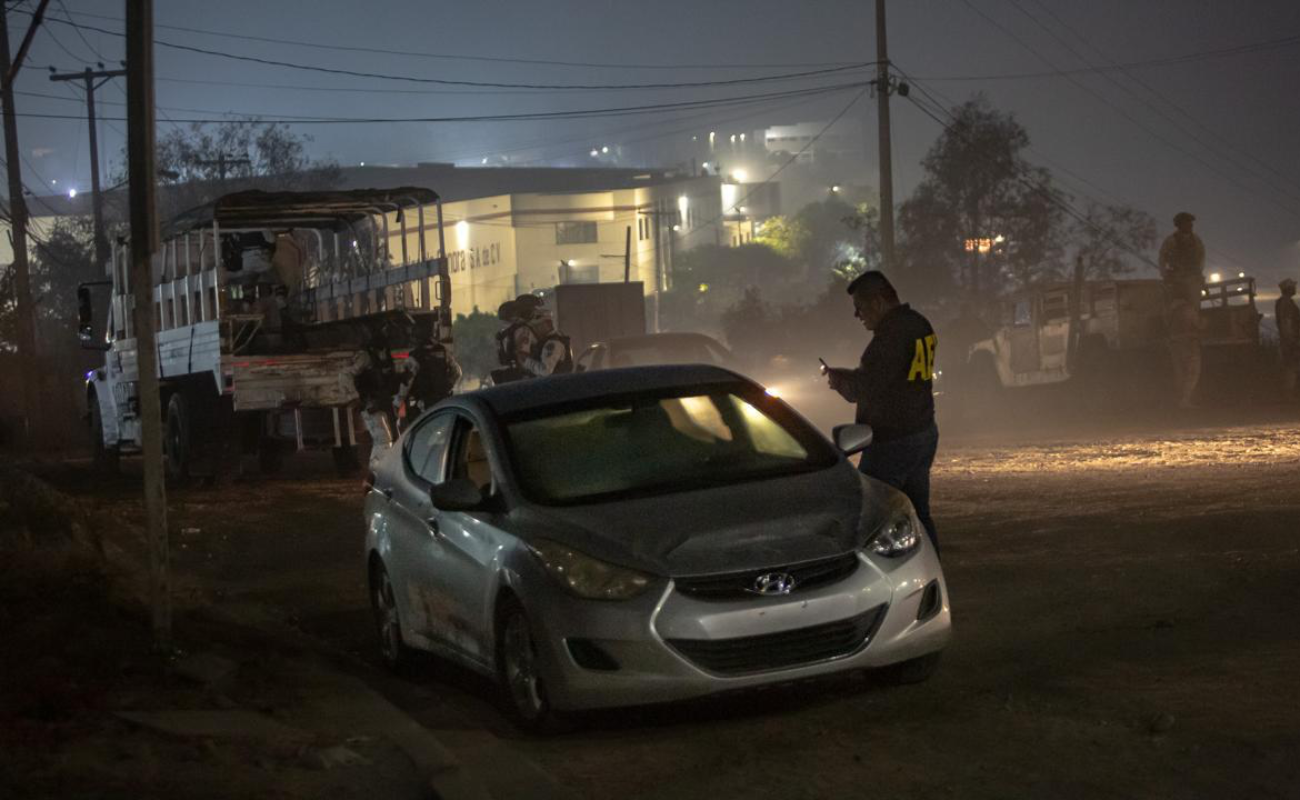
{"x":177,"y":443}
{"x":522,"y":690}
{"x":388,"y":620}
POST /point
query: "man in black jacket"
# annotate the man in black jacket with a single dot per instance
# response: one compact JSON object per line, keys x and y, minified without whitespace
{"x":894,"y":392}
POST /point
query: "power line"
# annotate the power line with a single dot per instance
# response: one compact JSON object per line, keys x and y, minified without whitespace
{"x":451,"y":57}
{"x":1264,"y":172}
{"x":1187,"y":58}
{"x":484,"y":84}
{"x":524,"y":116}
{"x":1291,"y":213}
{"x":1051,"y":197}
{"x":929,"y":93}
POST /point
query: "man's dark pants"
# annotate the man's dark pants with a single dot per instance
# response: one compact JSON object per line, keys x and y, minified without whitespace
{"x":904,"y":464}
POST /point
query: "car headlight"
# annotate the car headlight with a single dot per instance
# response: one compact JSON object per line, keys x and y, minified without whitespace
{"x":898,"y":538}
{"x":588,"y":577}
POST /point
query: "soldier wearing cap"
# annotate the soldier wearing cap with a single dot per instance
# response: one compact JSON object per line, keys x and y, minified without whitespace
{"x":1287,"y":316}
{"x":893,"y":388}
{"x":1182,"y":265}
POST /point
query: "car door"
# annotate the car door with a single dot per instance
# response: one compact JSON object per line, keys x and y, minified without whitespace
{"x":414,"y":562}
{"x":470,"y":542}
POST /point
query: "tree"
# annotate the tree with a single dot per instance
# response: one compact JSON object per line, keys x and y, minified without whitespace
{"x":787,"y":236}
{"x":747,"y":324}
{"x":61,"y":260}
{"x":983,"y":217}
{"x":474,"y":335}
{"x":1112,"y":239}
{"x":203,"y":161}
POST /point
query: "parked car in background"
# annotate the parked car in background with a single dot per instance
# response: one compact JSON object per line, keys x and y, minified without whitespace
{"x":643,"y":535}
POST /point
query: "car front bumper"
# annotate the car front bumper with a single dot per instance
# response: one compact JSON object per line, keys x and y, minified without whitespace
{"x":668,"y":646}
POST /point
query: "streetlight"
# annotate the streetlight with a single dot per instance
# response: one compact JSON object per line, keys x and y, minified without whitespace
{"x":835,"y":189}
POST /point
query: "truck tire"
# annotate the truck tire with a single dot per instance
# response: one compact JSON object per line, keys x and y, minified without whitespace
{"x":106,"y":459}
{"x":177,"y":445}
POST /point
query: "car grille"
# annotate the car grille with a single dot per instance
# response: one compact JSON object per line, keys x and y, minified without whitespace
{"x":782,"y":650}
{"x":739,"y":585}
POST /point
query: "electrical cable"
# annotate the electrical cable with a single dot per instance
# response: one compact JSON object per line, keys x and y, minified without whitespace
{"x":1291,"y":213}
{"x":483,"y":84}
{"x":449,"y":57}
{"x":524,"y":116}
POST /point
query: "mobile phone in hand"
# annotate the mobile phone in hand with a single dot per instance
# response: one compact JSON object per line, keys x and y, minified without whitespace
{"x":825,"y":367}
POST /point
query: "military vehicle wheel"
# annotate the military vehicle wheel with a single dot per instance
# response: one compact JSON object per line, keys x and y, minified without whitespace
{"x":177,"y":443}
{"x":106,"y":459}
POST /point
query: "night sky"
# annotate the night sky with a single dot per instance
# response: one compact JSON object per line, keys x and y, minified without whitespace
{"x":1236,"y":116}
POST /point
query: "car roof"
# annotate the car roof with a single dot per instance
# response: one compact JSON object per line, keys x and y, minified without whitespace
{"x":532,"y":393}
{"x":651,"y":338}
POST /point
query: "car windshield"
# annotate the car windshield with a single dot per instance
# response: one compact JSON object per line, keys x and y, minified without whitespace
{"x":656,"y":445}
{"x":680,"y":351}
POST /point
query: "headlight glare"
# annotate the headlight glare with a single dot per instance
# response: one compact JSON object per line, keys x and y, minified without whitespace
{"x":588,"y":577}
{"x":898,"y":538}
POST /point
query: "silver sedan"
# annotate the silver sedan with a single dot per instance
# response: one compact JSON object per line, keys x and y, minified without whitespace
{"x":643,"y":535}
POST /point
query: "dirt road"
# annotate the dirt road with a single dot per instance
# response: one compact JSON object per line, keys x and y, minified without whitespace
{"x":1125,"y":627}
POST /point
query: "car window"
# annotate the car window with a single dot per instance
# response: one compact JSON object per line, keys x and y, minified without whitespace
{"x":470,"y":456}
{"x":657,"y":445}
{"x":427,"y":448}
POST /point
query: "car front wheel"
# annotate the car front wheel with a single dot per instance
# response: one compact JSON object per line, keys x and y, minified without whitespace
{"x":523,"y":692}
{"x":388,"y":621}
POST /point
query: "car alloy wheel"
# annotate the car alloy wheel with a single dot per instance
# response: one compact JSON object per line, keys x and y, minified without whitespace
{"x":523,"y":691}
{"x":388,"y":623}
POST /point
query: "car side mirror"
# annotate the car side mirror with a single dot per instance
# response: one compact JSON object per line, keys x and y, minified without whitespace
{"x":85,"y":316}
{"x":852,"y":439}
{"x":457,"y":494}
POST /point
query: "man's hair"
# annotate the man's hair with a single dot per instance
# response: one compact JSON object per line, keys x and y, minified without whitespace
{"x":873,"y":283}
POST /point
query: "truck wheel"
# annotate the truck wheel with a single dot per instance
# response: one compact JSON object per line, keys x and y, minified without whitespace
{"x":106,"y":459}
{"x":177,"y":444}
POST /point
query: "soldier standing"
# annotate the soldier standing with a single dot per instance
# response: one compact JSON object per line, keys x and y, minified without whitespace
{"x":1182,"y":264}
{"x":1287,"y":316}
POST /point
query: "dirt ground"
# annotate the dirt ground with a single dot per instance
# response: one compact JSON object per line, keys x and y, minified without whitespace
{"x":1125,"y":626}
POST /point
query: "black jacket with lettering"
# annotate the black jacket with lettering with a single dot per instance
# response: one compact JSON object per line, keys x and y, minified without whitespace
{"x":894,"y":384}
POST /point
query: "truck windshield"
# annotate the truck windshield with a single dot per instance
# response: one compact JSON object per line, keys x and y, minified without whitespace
{"x":660,"y":445}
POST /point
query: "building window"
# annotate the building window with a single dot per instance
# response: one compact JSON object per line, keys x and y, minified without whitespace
{"x":575,"y":232}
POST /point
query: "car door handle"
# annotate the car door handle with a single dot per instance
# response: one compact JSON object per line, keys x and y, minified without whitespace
{"x":388,"y":494}
{"x":435,"y":528}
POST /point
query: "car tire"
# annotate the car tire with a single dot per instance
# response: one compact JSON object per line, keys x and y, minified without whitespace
{"x":393,"y":649}
{"x":521,"y":690}
{"x":915,"y":670}
{"x":107,"y":459}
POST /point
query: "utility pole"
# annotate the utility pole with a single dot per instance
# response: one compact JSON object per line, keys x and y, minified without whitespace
{"x":221,"y":162}
{"x":28,"y":372}
{"x":886,"y":155}
{"x":88,"y":78}
{"x":144,"y":241}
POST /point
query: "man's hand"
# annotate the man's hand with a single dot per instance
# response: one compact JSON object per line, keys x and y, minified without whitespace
{"x":841,"y":382}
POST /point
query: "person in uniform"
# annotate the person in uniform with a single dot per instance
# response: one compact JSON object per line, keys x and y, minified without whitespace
{"x":1182,"y":265}
{"x":894,"y":392}
{"x":1287,"y":316}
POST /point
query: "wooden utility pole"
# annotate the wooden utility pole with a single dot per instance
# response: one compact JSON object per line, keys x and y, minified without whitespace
{"x":28,"y":373}
{"x":886,"y":154}
{"x":144,"y":241}
{"x":221,"y":162}
{"x":627,"y":254}
{"x":88,"y":78}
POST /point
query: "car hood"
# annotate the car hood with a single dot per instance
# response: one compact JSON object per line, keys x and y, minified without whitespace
{"x":754,"y":525}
